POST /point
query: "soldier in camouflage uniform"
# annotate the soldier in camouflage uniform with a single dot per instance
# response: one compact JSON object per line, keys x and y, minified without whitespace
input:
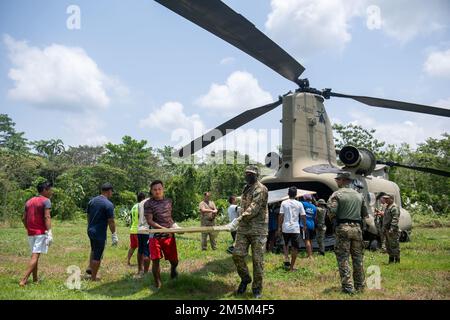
{"x":320,"y":227}
{"x":348,"y":207}
{"x":390,"y":228}
{"x":379,"y":212}
{"x":208,"y":212}
{"x":251,"y":231}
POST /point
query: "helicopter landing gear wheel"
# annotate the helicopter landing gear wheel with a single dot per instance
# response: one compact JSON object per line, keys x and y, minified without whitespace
{"x":404,"y":236}
{"x":373,"y":246}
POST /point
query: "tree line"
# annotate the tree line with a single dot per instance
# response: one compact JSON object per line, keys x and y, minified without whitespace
{"x":77,"y":172}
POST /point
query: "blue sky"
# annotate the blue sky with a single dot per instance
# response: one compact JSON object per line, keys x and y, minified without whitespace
{"x":136,"y":68}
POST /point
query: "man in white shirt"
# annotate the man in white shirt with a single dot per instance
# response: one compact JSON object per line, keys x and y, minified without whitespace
{"x":143,"y":241}
{"x":232,"y":214}
{"x":291,"y":211}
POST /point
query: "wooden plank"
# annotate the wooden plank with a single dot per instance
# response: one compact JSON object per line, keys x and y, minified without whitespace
{"x":186,"y":230}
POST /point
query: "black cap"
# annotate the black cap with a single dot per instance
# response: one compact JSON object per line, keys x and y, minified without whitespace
{"x":107,"y":186}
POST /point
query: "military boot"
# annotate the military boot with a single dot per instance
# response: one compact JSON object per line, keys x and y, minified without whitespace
{"x":242,"y":287}
{"x":360,"y":288}
{"x":397,"y":260}
{"x":257,"y":293}
{"x":348,"y":291}
{"x":391,"y":259}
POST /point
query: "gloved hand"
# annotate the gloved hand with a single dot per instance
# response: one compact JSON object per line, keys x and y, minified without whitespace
{"x":114,"y":239}
{"x":176,"y":226}
{"x":49,"y":239}
{"x":233,"y":225}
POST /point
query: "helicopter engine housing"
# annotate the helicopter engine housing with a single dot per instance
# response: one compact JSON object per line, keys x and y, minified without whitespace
{"x":360,"y":159}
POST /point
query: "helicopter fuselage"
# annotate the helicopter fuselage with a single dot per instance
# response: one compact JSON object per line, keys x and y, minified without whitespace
{"x":309,"y":161}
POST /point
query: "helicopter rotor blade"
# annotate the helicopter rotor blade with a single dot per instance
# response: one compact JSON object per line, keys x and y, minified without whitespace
{"x":422,"y":169}
{"x":225,"y":128}
{"x":392,"y":104}
{"x":219,"y":19}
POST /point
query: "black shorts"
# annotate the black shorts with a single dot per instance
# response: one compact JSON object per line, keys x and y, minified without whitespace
{"x":271,"y":235}
{"x":295,"y":239}
{"x":143,"y":245}
{"x":97,"y":248}
{"x":309,"y":234}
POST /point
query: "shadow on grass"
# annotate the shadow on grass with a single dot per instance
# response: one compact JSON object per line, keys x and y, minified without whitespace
{"x":332,"y":290}
{"x":192,"y":286}
{"x":195,"y":285}
{"x":220,"y":266}
{"x":124,"y":287}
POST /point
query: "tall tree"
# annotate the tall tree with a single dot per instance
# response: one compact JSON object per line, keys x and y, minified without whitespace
{"x":357,"y":136}
{"x":135,"y":158}
{"x":418,"y":186}
{"x":49,"y":149}
{"x":181,"y":189}
{"x":84,"y":155}
{"x":10,"y":139}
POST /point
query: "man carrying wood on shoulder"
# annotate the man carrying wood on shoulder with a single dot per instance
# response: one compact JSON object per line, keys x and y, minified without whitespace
{"x":158,"y":212}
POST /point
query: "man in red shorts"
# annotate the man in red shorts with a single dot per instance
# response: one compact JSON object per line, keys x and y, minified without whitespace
{"x":158,"y":212}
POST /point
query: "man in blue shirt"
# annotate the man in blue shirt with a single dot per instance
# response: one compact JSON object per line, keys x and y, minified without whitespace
{"x":310,"y":210}
{"x":100,"y":215}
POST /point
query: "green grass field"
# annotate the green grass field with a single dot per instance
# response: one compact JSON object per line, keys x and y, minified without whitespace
{"x":424,"y":272}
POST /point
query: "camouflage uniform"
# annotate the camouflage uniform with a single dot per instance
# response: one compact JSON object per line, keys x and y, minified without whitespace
{"x":349,"y":206}
{"x":252,"y":231}
{"x":391,"y":233}
{"x":207,"y":220}
{"x":379,"y":225}
{"x":321,"y":228}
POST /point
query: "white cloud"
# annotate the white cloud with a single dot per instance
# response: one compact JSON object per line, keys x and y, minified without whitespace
{"x":404,"y":20}
{"x":309,"y":26}
{"x":437,"y":64}
{"x":227,"y":61}
{"x":413,"y":130}
{"x":443,"y":103}
{"x":306,"y":27}
{"x":85,"y":130}
{"x":170,"y":116}
{"x":58,"y":76}
{"x":257,"y":143}
{"x":240,"y":92}
{"x":183,"y":128}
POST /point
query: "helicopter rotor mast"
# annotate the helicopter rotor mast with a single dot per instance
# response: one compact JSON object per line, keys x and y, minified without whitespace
{"x":222,"y":21}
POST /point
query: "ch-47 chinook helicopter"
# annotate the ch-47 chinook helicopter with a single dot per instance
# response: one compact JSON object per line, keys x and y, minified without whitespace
{"x":308,"y":156}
